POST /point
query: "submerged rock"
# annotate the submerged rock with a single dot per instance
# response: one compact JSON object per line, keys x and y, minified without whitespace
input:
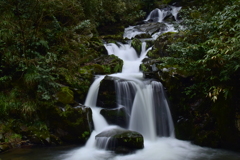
{"x":120,"y":140}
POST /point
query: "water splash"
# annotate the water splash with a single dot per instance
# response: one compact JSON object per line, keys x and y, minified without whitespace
{"x":157,"y":15}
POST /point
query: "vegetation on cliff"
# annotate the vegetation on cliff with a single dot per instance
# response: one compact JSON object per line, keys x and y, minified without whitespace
{"x":200,"y":67}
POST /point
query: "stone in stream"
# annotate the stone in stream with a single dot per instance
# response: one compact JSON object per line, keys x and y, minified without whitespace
{"x":107,"y":93}
{"x":120,"y":140}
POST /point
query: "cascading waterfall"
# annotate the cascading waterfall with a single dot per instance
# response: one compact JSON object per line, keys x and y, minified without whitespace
{"x":147,"y":112}
{"x":144,"y":100}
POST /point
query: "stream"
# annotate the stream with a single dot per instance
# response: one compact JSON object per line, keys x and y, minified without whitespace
{"x":147,"y":109}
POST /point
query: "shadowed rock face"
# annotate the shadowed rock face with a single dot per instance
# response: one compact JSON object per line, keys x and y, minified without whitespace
{"x":71,"y":125}
{"x":120,"y":140}
{"x":115,"y":116}
{"x":107,"y":93}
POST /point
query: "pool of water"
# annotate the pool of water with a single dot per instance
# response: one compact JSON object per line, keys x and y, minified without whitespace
{"x":161,"y":149}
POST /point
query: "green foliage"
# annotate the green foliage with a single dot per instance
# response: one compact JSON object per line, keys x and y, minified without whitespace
{"x":209,"y":49}
{"x":47,"y":44}
{"x":36,"y":38}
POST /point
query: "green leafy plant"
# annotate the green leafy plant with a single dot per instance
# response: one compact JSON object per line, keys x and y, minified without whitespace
{"x":209,"y":50}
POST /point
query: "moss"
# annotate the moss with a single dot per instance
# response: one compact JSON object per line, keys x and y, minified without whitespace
{"x":65,"y":96}
{"x":71,"y":125}
{"x":137,"y":45}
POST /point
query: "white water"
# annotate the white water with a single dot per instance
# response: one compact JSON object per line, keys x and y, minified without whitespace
{"x":157,"y":15}
{"x":175,"y":11}
{"x":139,"y":98}
{"x":128,"y":54}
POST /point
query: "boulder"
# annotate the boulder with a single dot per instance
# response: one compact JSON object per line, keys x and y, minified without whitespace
{"x":71,"y":125}
{"x":120,"y":140}
{"x":137,"y":45}
{"x":151,"y":28}
{"x":106,"y":64}
{"x":107,"y":93}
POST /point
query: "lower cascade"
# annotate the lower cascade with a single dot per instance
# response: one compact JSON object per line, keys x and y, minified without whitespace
{"x":146,"y":111}
{"x":143,"y":102}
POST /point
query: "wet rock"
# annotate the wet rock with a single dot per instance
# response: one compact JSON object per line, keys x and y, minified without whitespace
{"x":120,"y":140}
{"x":109,"y":64}
{"x":115,"y":116}
{"x":71,"y":125}
{"x":137,"y":45}
{"x":4,"y":147}
{"x":107,"y":93}
{"x":150,"y":68}
{"x":151,"y":28}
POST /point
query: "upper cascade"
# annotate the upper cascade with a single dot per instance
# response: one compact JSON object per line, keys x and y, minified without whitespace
{"x":155,"y":24}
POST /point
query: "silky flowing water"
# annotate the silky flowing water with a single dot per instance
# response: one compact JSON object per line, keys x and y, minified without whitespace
{"x":147,"y":113}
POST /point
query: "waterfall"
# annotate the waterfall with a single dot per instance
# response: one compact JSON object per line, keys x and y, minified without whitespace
{"x":144,"y":101}
{"x":146,"y":105}
{"x":157,"y":15}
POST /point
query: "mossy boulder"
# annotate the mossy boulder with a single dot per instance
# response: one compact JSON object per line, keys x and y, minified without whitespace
{"x":115,"y":116}
{"x":120,"y":140}
{"x":71,"y":125}
{"x":137,"y":45}
{"x":161,"y":44}
{"x":65,"y":96}
{"x":150,"y":68}
{"x":110,"y":64}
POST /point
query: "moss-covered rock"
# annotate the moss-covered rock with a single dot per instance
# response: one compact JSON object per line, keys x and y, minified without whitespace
{"x":71,"y":125}
{"x":137,"y":45}
{"x":110,"y":63}
{"x":161,"y":44}
{"x":65,"y":95}
{"x":120,"y":140}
